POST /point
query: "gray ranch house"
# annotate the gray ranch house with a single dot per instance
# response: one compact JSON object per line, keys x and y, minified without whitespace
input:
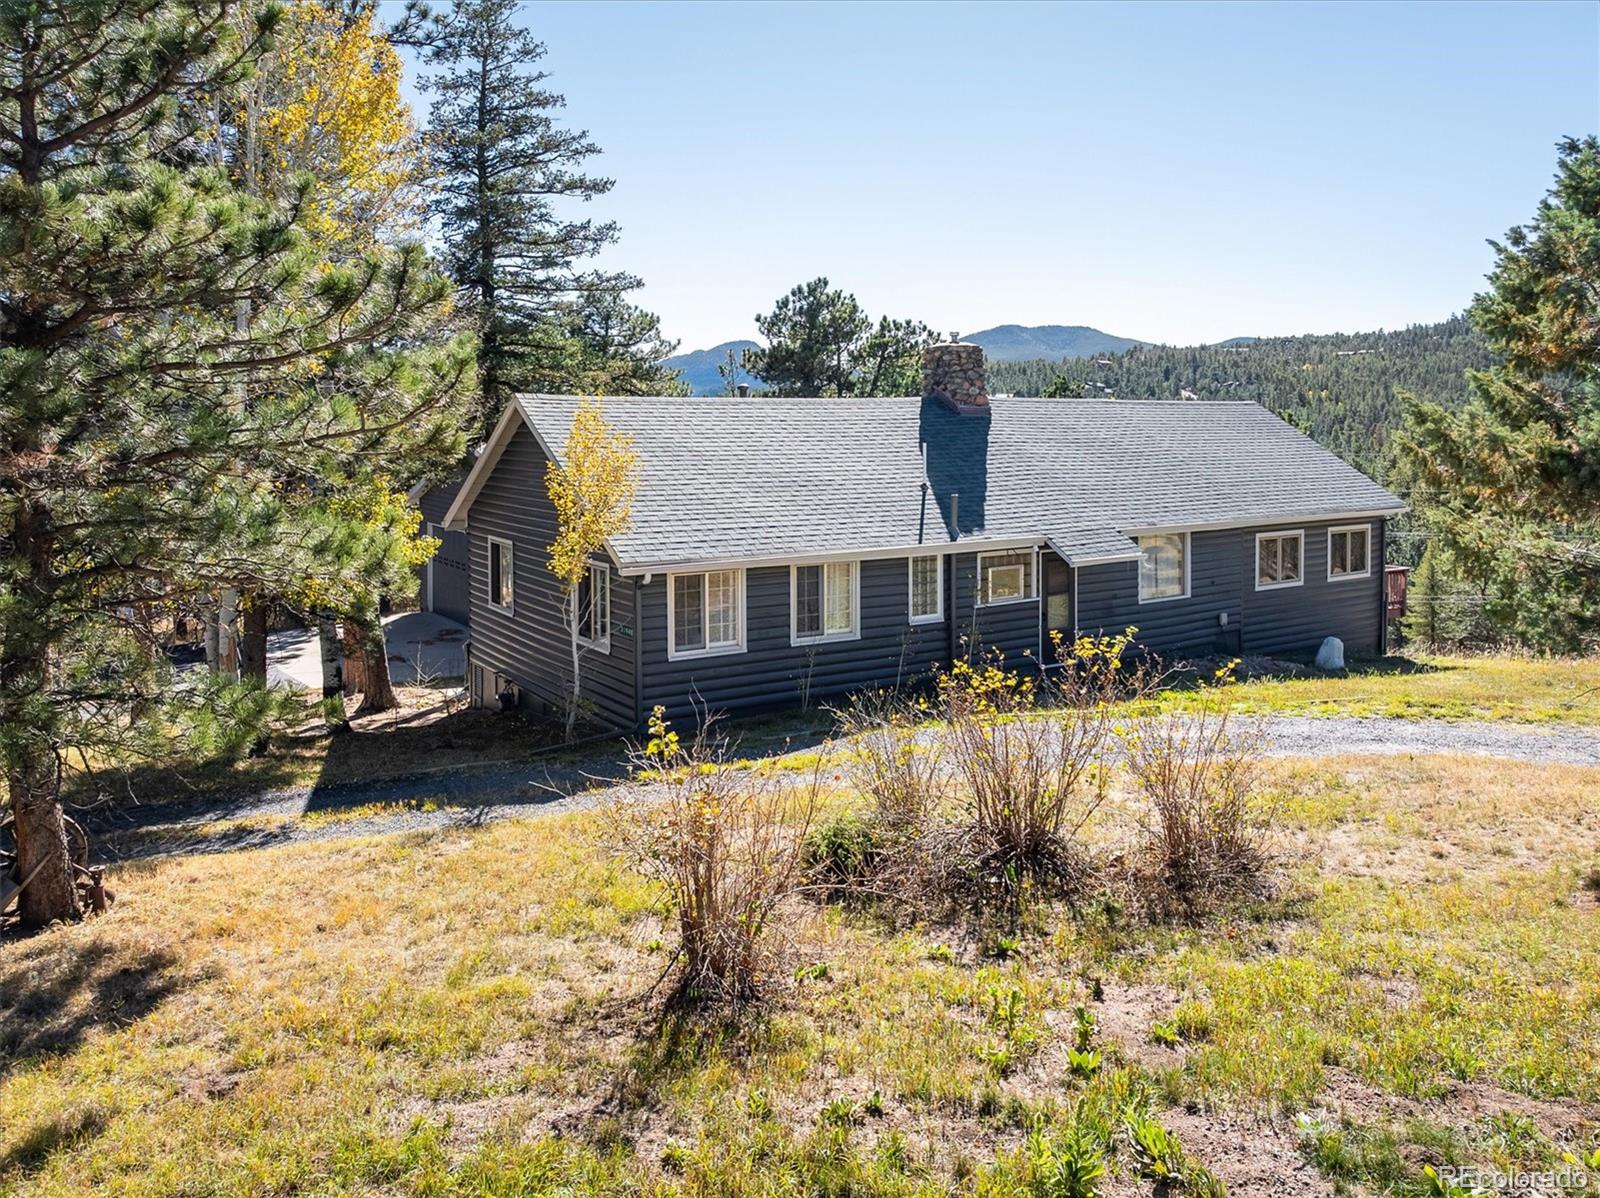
{"x":792,"y":549}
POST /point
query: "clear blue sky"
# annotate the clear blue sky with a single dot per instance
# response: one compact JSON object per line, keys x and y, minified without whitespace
{"x":1179,"y":173}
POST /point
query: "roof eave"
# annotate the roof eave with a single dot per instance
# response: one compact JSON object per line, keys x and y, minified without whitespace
{"x":688,"y":565}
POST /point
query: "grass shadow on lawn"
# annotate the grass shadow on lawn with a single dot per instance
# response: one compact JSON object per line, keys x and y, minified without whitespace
{"x":65,"y":1130}
{"x":51,"y":1002}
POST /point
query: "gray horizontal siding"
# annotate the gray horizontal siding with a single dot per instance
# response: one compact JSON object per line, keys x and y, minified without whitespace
{"x":771,"y":671}
{"x":1222,"y":580}
{"x":531,"y":645}
{"x":1010,"y":628}
{"x":890,"y":651}
{"x":1296,"y":619}
{"x":436,"y":500}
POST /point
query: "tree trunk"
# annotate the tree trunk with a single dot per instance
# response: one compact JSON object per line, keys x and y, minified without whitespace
{"x":355,"y":657}
{"x":378,"y":689}
{"x":213,"y":647}
{"x":332,"y":675}
{"x":227,"y":663}
{"x":44,"y":862}
{"x":32,"y":770}
{"x":577,"y":675}
{"x":253,"y":644}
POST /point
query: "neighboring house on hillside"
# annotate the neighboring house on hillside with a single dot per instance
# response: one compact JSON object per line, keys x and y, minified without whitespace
{"x":798,"y":548}
{"x":444,"y":583}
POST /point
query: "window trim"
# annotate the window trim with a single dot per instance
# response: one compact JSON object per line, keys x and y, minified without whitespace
{"x":676,"y":654}
{"x":1349,"y":574}
{"x":508,"y":557}
{"x":1188,"y":565}
{"x":1033,"y":579}
{"x":938,"y":589}
{"x":599,"y":582}
{"x":795,"y":638}
{"x":1255,"y":562}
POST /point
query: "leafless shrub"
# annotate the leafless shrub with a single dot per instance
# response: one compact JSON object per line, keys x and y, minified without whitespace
{"x":1035,"y":771}
{"x":1208,"y":830}
{"x":894,"y":761}
{"x":726,"y":844}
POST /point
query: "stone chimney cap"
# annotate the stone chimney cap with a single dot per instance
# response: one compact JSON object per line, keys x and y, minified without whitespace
{"x":953,"y":372}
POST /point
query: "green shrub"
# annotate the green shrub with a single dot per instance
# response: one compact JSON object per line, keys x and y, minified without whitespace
{"x":840,"y":853}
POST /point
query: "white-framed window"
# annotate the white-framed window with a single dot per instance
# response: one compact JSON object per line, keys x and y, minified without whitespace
{"x":1163,"y":566}
{"x":1350,"y":551}
{"x":502,"y":591}
{"x":925,"y":580}
{"x":594,"y":608}
{"x":824,"y":602}
{"x":1006,"y":577}
{"x":1280,"y":559}
{"x":705,"y":613}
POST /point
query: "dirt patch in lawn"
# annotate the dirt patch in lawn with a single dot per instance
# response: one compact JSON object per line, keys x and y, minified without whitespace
{"x":1125,"y":1015}
{"x":1255,"y":1158}
{"x":1463,"y":1106}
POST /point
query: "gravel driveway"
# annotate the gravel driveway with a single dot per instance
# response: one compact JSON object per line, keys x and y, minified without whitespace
{"x":469,"y":797}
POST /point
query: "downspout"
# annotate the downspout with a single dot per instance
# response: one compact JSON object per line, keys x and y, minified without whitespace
{"x":638,"y":650}
{"x":1383,"y":586}
{"x":955,"y":535}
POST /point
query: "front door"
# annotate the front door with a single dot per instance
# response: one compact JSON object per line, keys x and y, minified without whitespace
{"x":1057,"y":603}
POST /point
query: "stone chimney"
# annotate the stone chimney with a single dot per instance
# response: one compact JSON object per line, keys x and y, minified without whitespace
{"x":953,"y":372}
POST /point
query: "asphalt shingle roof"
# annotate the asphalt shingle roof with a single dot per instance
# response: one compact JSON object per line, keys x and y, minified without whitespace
{"x":730,"y":479}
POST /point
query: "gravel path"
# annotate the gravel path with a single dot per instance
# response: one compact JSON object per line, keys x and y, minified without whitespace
{"x":1545,"y":744}
{"x":471,"y":797}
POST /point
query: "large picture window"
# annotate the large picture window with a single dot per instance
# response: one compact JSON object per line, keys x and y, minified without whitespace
{"x":927,"y":588}
{"x":705,"y":613}
{"x":501,"y":592}
{"x":1350,"y":551}
{"x":1005,"y":577}
{"x":825,"y":601}
{"x":594,"y":607}
{"x":1163,"y":566}
{"x":1279,"y":559}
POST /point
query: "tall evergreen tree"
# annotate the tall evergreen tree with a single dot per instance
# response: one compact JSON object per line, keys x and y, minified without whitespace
{"x":1511,"y":484}
{"x":507,"y":170}
{"x":148,"y":433}
{"x":820,"y":342}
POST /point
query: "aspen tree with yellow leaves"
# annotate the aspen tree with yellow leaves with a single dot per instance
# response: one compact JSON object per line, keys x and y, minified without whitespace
{"x":323,"y":121}
{"x":158,"y":449}
{"x":592,"y":488}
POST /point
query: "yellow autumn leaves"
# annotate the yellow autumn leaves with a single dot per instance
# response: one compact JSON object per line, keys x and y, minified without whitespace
{"x":328,"y":103}
{"x":592,"y":490}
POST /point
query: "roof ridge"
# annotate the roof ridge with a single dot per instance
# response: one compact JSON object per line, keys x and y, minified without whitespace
{"x":747,"y":400}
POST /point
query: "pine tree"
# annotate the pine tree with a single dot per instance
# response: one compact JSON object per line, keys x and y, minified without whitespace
{"x":820,"y":342}
{"x":148,"y":434}
{"x":1421,"y":624}
{"x":1511,"y":485}
{"x":545,"y":320}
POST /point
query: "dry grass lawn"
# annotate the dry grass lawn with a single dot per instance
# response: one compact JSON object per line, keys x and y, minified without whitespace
{"x":1486,"y":687}
{"x":472,"y":1013}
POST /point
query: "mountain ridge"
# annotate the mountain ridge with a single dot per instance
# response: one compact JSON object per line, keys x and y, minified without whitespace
{"x":1022,"y":343}
{"x":1001,"y":343}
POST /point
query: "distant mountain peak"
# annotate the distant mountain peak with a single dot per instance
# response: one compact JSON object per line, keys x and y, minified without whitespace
{"x":1019,"y":342}
{"x":699,"y":366}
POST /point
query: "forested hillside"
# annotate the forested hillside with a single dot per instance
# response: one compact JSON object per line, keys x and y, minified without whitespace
{"x":1016,"y":343}
{"x":1341,"y":388}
